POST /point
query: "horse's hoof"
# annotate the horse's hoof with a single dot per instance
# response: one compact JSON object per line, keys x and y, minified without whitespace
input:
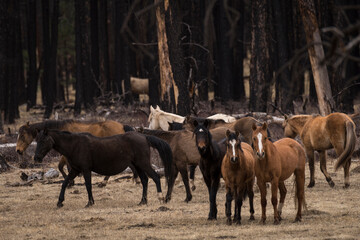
{"x":188,"y":199}
{"x":212,"y":218}
{"x":142,"y":202}
{"x":59,"y":205}
{"x":311,"y":184}
{"x":331,"y":183}
{"x":89,"y":204}
{"x":238,"y":222}
{"x":276,"y":221}
{"x":101,"y":185}
{"x":347,"y":185}
{"x":263,"y":221}
{"x":193,"y":188}
{"x":228,"y":221}
{"x":297,"y":219}
{"x":252,"y":218}
{"x":167,"y":199}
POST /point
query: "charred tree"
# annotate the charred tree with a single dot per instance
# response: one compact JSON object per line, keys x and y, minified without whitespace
{"x":94,"y":34}
{"x":104,"y":46}
{"x":32,"y":80}
{"x":260,"y":75}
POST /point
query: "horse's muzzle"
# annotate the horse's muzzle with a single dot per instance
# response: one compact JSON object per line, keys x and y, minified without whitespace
{"x":202,"y":150}
{"x":260,"y":155}
{"x":19,"y":152}
{"x":234,"y":159}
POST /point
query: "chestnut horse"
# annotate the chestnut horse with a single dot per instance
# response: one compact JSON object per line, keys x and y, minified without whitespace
{"x":28,"y":132}
{"x":337,"y":130}
{"x":212,"y":155}
{"x":238,"y":171}
{"x":275,"y":163}
{"x":105,"y":156}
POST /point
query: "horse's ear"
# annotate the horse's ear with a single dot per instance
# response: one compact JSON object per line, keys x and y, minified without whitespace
{"x":45,"y":131}
{"x":206,"y":123}
{"x":151,"y":108}
{"x":254,"y":126}
{"x":187,"y":119}
{"x":237,"y":134}
{"x":195,"y":123}
{"x":227,"y":133}
{"x":286,"y":116}
{"x":28,"y":124}
{"x":157,"y":107}
{"x":264,"y":126}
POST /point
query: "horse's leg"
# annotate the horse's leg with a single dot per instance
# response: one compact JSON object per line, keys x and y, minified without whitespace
{"x":250,"y":193}
{"x":72,"y":174}
{"x":144,"y":182}
{"x":300,"y":192}
{"x":283,"y":192}
{"x":213,"y":191}
{"x":262,"y":188}
{"x":274,"y":200}
{"x":229,"y":198}
{"x":347,"y":173}
{"x":310,"y":156}
{"x":185,"y":178}
{"x":322,"y":155}
{"x":61,"y":165}
{"x":156,"y":178}
{"x":171,"y":183}
{"x":104,"y":182}
{"x":239,"y":202}
{"x":339,"y":149}
{"x":87,"y":177}
{"x":192,"y":177}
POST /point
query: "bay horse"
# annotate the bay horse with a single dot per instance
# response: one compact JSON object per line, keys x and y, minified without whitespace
{"x":317,"y":133}
{"x":105,"y":156}
{"x":184,"y":151}
{"x":210,"y":163}
{"x":275,"y":163}
{"x":238,"y":172}
{"x":28,"y":132}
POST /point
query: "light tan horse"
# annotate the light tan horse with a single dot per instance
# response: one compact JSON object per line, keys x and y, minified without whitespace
{"x":238,"y":171}
{"x":275,"y":163}
{"x":28,"y":132}
{"x":337,"y":130}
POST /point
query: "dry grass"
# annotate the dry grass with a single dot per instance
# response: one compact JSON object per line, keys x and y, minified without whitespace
{"x":30,"y":212}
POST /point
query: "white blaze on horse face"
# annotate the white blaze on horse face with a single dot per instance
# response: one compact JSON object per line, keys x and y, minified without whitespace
{"x":201,"y":130}
{"x":259,"y":137}
{"x":232,"y":143}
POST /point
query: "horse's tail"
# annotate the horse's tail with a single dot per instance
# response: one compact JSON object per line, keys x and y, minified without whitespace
{"x":164,"y":152}
{"x":128,"y":128}
{"x":349,"y":145}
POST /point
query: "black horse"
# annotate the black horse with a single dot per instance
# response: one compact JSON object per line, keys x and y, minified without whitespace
{"x":106,"y":156}
{"x":210,"y":163}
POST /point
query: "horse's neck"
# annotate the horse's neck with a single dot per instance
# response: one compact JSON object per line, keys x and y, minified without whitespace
{"x":270,"y":150}
{"x":299,"y":122}
{"x":64,"y":143}
{"x":165,"y":135}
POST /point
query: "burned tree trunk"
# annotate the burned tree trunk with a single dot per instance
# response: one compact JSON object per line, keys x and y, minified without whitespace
{"x":316,"y":55}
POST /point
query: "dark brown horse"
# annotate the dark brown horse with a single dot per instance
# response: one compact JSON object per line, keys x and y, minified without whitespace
{"x":106,"y":156}
{"x":210,"y":163}
{"x":238,"y":171}
{"x":28,"y":132}
{"x":337,"y":130}
{"x":275,"y":163}
{"x":184,"y":151}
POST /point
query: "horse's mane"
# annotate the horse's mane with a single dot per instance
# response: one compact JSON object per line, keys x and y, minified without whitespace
{"x":160,"y":133}
{"x":58,"y":124}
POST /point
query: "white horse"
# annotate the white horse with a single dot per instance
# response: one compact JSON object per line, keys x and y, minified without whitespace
{"x":158,"y":119}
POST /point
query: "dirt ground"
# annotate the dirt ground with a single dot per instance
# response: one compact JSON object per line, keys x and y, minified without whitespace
{"x":30,"y":212}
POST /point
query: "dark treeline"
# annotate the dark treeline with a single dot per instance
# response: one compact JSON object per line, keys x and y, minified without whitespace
{"x":182,"y":47}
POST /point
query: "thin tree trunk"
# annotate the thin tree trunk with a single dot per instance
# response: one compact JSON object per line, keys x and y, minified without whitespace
{"x":316,"y":55}
{"x":104,"y":46}
{"x":94,"y":41}
{"x":31,"y":36}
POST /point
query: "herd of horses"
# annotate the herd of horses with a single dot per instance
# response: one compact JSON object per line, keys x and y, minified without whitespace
{"x":240,"y":151}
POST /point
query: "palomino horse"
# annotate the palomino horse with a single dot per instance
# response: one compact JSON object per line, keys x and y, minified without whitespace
{"x":105,"y":156}
{"x":238,"y":171}
{"x":28,"y":132}
{"x":210,"y":163}
{"x":337,"y":130}
{"x":159,"y":119}
{"x":184,"y":151}
{"x":275,"y":163}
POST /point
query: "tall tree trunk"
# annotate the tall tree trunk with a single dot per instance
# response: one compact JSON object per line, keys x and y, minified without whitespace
{"x":104,"y":46}
{"x":31,"y":37}
{"x":166,"y":74}
{"x":118,"y":69}
{"x":4,"y":34}
{"x":94,"y":33}
{"x":173,"y":20}
{"x":46,"y":50}
{"x":260,"y":75}
{"x":316,"y":55}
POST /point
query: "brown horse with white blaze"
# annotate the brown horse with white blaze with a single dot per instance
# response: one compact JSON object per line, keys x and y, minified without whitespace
{"x":275,"y":163}
{"x":238,"y":171}
{"x":336,"y":130}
